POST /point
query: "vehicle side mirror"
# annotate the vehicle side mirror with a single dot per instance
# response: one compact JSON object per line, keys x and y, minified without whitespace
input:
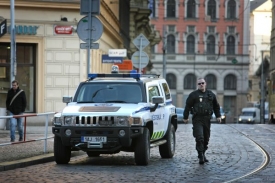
{"x":156,"y":100}
{"x":67,"y":99}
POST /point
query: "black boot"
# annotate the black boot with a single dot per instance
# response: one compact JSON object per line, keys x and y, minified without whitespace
{"x":201,"y":157}
{"x":205,"y":160}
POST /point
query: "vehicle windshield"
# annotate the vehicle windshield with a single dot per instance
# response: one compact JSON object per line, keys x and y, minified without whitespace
{"x":248,"y":113}
{"x":106,"y":92}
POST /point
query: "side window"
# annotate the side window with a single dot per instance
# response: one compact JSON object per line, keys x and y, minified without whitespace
{"x":153,"y":91}
{"x":166,"y":91}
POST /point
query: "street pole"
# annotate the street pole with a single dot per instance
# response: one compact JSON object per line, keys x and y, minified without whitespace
{"x":13,"y":45}
{"x":164,"y":51}
{"x":262,"y":90}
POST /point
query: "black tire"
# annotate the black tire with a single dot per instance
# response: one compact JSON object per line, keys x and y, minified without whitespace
{"x":167,"y":150}
{"x":142,"y":149}
{"x":93,"y":154}
{"x":62,"y":154}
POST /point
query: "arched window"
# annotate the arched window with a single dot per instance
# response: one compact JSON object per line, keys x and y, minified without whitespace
{"x":231,"y":9}
{"x":171,"y":9}
{"x":211,"y":82}
{"x":230,"y":49}
{"x":191,"y":9}
{"x":190,"y":81}
{"x":171,"y":80}
{"x":190,"y":44}
{"x":211,"y":44}
{"x":230,"y":82}
{"x":211,"y":9}
{"x":171,"y":44}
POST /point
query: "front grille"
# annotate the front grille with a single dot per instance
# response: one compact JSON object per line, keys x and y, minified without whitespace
{"x":95,"y":121}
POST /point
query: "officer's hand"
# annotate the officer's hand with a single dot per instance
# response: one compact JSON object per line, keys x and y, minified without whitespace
{"x":219,"y":120}
{"x":185,"y":121}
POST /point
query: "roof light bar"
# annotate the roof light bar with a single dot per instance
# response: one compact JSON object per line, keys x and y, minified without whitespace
{"x":114,"y":75}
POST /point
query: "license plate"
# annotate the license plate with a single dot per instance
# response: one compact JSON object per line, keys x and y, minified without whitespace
{"x":93,"y":139}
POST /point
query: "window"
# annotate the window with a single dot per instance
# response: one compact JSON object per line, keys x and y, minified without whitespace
{"x":171,"y":44}
{"x":171,"y":28}
{"x":153,"y":91}
{"x":230,"y":82}
{"x":191,"y":29}
{"x":211,"y":9}
{"x":190,"y":81}
{"x":171,"y":80}
{"x":166,"y":91}
{"x":152,"y":7}
{"x":211,"y":81}
{"x":190,"y":44}
{"x":231,"y":29}
{"x":171,"y":9}
{"x":211,"y":29}
{"x":230,"y":49}
{"x":191,"y":9}
{"x":210,"y":44}
{"x":231,"y":9}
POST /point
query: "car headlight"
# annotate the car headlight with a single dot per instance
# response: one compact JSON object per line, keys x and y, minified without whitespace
{"x":57,"y":121}
{"x":69,"y":120}
{"x":223,"y":117}
{"x":136,"y":121}
{"x":240,"y":119}
{"x":122,"y":121}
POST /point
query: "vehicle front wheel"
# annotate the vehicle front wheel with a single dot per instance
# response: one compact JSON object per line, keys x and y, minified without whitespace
{"x":62,"y":154}
{"x":142,"y":149}
{"x":167,"y":150}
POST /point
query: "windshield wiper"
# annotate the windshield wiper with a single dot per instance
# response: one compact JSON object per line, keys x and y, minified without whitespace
{"x":96,"y":92}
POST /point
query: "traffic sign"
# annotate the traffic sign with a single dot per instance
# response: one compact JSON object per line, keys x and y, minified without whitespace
{"x":86,"y":46}
{"x":89,"y":6}
{"x":107,"y":59}
{"x":95,"y":31}
{"x":140,"y":59}
{"x":117,"y":53}
{"x":141,"y":42}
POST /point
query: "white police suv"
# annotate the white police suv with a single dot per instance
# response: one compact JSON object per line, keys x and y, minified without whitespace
{"x":116,"y":112}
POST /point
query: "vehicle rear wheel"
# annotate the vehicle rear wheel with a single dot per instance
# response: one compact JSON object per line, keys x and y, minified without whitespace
{"x":142,"y":149}
{"x":62,"y":154}
{"x":93,"y":154}
{"x":167,"y":150}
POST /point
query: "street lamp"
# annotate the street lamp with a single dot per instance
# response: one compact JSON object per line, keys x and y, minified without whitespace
{"x":164,"y":51}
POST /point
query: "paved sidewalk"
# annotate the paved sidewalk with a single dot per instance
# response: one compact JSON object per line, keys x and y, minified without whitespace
{"x":19,"y":154}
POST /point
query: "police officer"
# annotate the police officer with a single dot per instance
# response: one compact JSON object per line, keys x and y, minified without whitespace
{"x":201,"y":103}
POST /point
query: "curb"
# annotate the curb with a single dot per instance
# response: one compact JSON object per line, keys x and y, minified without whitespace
{"x":26,"y":162}
{"x":45,"y":158}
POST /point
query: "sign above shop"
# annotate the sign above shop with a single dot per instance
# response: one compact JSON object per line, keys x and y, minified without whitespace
{"x":63,"y":29}
{"x":3,"y":28}
{"x":24,"y":29}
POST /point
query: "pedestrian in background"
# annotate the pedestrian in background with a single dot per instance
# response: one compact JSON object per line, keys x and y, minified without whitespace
{"x":16,"y":104}
{"x":203,"y":103}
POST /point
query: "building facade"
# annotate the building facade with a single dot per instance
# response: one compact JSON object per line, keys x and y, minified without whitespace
{"x":271,"y":83}
{"x":204,"y":38}
{"x":49,"y":61}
